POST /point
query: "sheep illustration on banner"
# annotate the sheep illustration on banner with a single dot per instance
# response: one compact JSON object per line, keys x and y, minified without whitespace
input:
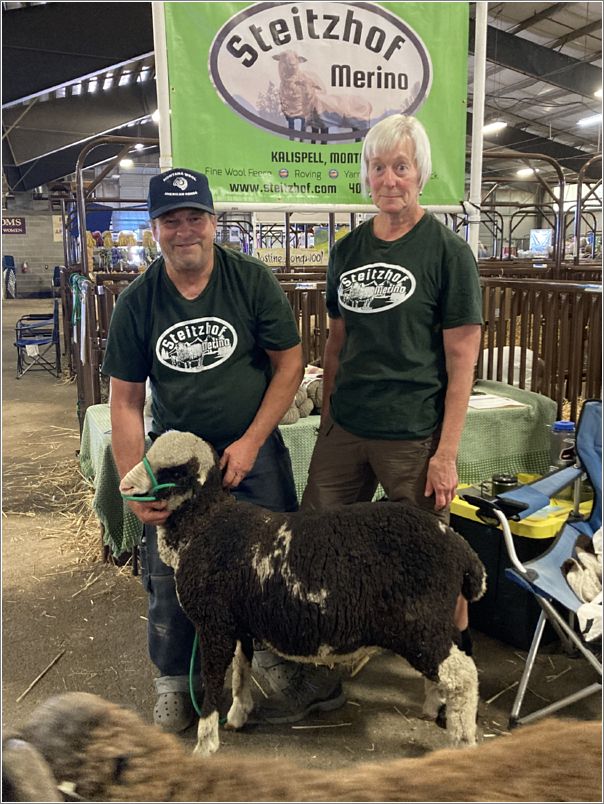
{"x":360,"y":64}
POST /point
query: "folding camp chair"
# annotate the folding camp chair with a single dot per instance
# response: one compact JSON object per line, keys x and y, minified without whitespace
{"x":37,"y":342}
{"x":9,"y":277}
{"x":544,"y":576}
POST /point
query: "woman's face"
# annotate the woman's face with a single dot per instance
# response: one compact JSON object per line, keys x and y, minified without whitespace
{"x":394,"y":180}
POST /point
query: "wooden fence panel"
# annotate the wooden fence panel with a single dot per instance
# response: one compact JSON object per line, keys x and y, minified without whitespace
{"x":310,"y":313}
{"x":557,"y":324}
{"x":540,"y":335}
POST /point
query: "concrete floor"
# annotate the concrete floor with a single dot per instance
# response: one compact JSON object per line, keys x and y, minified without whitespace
{"x":60,"y":600}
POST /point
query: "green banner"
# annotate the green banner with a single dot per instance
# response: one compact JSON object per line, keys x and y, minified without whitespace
{"x":272,"y":100}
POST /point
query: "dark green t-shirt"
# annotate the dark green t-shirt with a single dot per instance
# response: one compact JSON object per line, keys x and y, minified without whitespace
{"x":395,"y":298}
{"x":205,"y":357}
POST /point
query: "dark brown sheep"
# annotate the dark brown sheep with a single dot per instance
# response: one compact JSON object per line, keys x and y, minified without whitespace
{"x":315,"y":587}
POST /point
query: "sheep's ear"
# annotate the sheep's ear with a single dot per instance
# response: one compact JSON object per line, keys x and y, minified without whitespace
{"x":277,"y":58}
{"x":301,"y":59}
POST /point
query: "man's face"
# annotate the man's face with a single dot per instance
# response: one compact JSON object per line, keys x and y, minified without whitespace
{"x":186,"y":238}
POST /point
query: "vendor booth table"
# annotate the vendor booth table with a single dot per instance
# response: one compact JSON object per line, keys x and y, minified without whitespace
{"x":495,"y":439}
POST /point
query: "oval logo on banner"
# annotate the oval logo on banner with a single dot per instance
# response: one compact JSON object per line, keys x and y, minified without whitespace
{"x":299,"y":69}
{"x":375,"y":288}
{"x":197,"y":345}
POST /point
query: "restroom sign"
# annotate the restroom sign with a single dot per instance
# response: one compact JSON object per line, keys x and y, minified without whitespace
{"x":13,"y":226}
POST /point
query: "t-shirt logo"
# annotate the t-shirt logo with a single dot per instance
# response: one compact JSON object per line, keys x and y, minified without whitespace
{"x":197,"y":345}
{"x":375,"y":288}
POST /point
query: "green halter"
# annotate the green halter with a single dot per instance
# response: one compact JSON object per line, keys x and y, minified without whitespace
{"x":155,"y":488}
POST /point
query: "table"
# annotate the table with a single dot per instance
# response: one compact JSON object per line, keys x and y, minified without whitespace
{"x":121,"y":529}
{"x":500,"y":440}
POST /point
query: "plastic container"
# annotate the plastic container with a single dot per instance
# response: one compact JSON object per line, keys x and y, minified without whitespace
{"x":562,"y":451}
{"x":562,"y":444}
{"x":503,"y":482}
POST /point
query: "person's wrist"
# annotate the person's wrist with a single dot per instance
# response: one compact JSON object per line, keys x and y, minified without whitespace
{"x":253,"y":439}
{"x":444,"y":456}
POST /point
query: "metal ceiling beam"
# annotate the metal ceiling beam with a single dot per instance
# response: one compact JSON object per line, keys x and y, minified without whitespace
{"x":527,"y":82}
{"x":50,"y":44}
{"x":522,"y":141}
{"x":546,"y":14}
{"x":58,"y":165}
{"x":596,"y":25}
{"x":581,"y":139}
{"x":540,"y":62}
{"x":61,"y":122}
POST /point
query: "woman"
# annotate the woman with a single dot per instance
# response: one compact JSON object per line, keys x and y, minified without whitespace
{"x":405,"y":310}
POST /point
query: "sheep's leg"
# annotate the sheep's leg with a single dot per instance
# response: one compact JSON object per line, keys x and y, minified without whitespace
{"x":433,"y":699}
{"x":242,"y":694}
{"x":216,"y":655}
{"x":458,"y":681}
{"x":208,"y":740}
{"x":318,"y":130}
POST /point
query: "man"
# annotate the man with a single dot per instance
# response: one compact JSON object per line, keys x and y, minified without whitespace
{"x":215,"y":335}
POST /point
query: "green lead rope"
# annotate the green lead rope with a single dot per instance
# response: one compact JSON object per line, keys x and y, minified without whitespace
{"x":192,"y":675}
{"x":222,"y":720}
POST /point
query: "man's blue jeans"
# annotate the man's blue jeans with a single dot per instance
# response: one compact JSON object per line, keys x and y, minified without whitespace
{"x":170,"y":633}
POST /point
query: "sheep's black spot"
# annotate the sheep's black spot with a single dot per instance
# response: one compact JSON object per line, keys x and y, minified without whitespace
{"x":183,"y":475}
{"x":121,"y":764}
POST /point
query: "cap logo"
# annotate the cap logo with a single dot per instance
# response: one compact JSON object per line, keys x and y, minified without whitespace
{"x":176,"y":189}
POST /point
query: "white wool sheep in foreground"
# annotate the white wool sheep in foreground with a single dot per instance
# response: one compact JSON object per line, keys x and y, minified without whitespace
{"x":102,"y":752}
{"x":322,"y":587}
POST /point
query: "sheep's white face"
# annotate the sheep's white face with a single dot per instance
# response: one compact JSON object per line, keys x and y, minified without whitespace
{"x":170,"y":449}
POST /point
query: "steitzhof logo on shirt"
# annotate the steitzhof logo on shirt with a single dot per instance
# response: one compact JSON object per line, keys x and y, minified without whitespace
{"x":197,"y":345}
{"x":375,"y":288}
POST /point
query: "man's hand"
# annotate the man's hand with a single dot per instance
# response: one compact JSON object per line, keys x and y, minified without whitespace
{"x":441,"y":480}
{"x":237,"y":461}
{"x":150,"y":513}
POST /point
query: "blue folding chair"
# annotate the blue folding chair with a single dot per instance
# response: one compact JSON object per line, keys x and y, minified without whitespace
{"x":543,"y":576}
{"x":37,"y":342}
{"x":9,"y":276}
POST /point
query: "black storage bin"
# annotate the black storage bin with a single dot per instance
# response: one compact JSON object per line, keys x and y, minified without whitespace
{"x":506,"y":611}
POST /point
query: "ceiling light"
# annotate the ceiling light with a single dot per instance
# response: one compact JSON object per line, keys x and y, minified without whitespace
{"x":115,"y":176}
{"x":526,"y":171}
{"x":593,"y":120}
{"x":126,"y":163}
{"x":598,"y":93}
{"x":496,"y":125}
{"x":139,"y":146}
{"x":155,"y":116}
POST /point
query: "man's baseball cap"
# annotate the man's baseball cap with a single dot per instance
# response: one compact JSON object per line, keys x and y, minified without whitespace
{"x":179,"y":188}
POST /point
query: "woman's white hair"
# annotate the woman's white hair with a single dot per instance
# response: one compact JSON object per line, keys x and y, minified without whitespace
{"x":390,"y":133}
